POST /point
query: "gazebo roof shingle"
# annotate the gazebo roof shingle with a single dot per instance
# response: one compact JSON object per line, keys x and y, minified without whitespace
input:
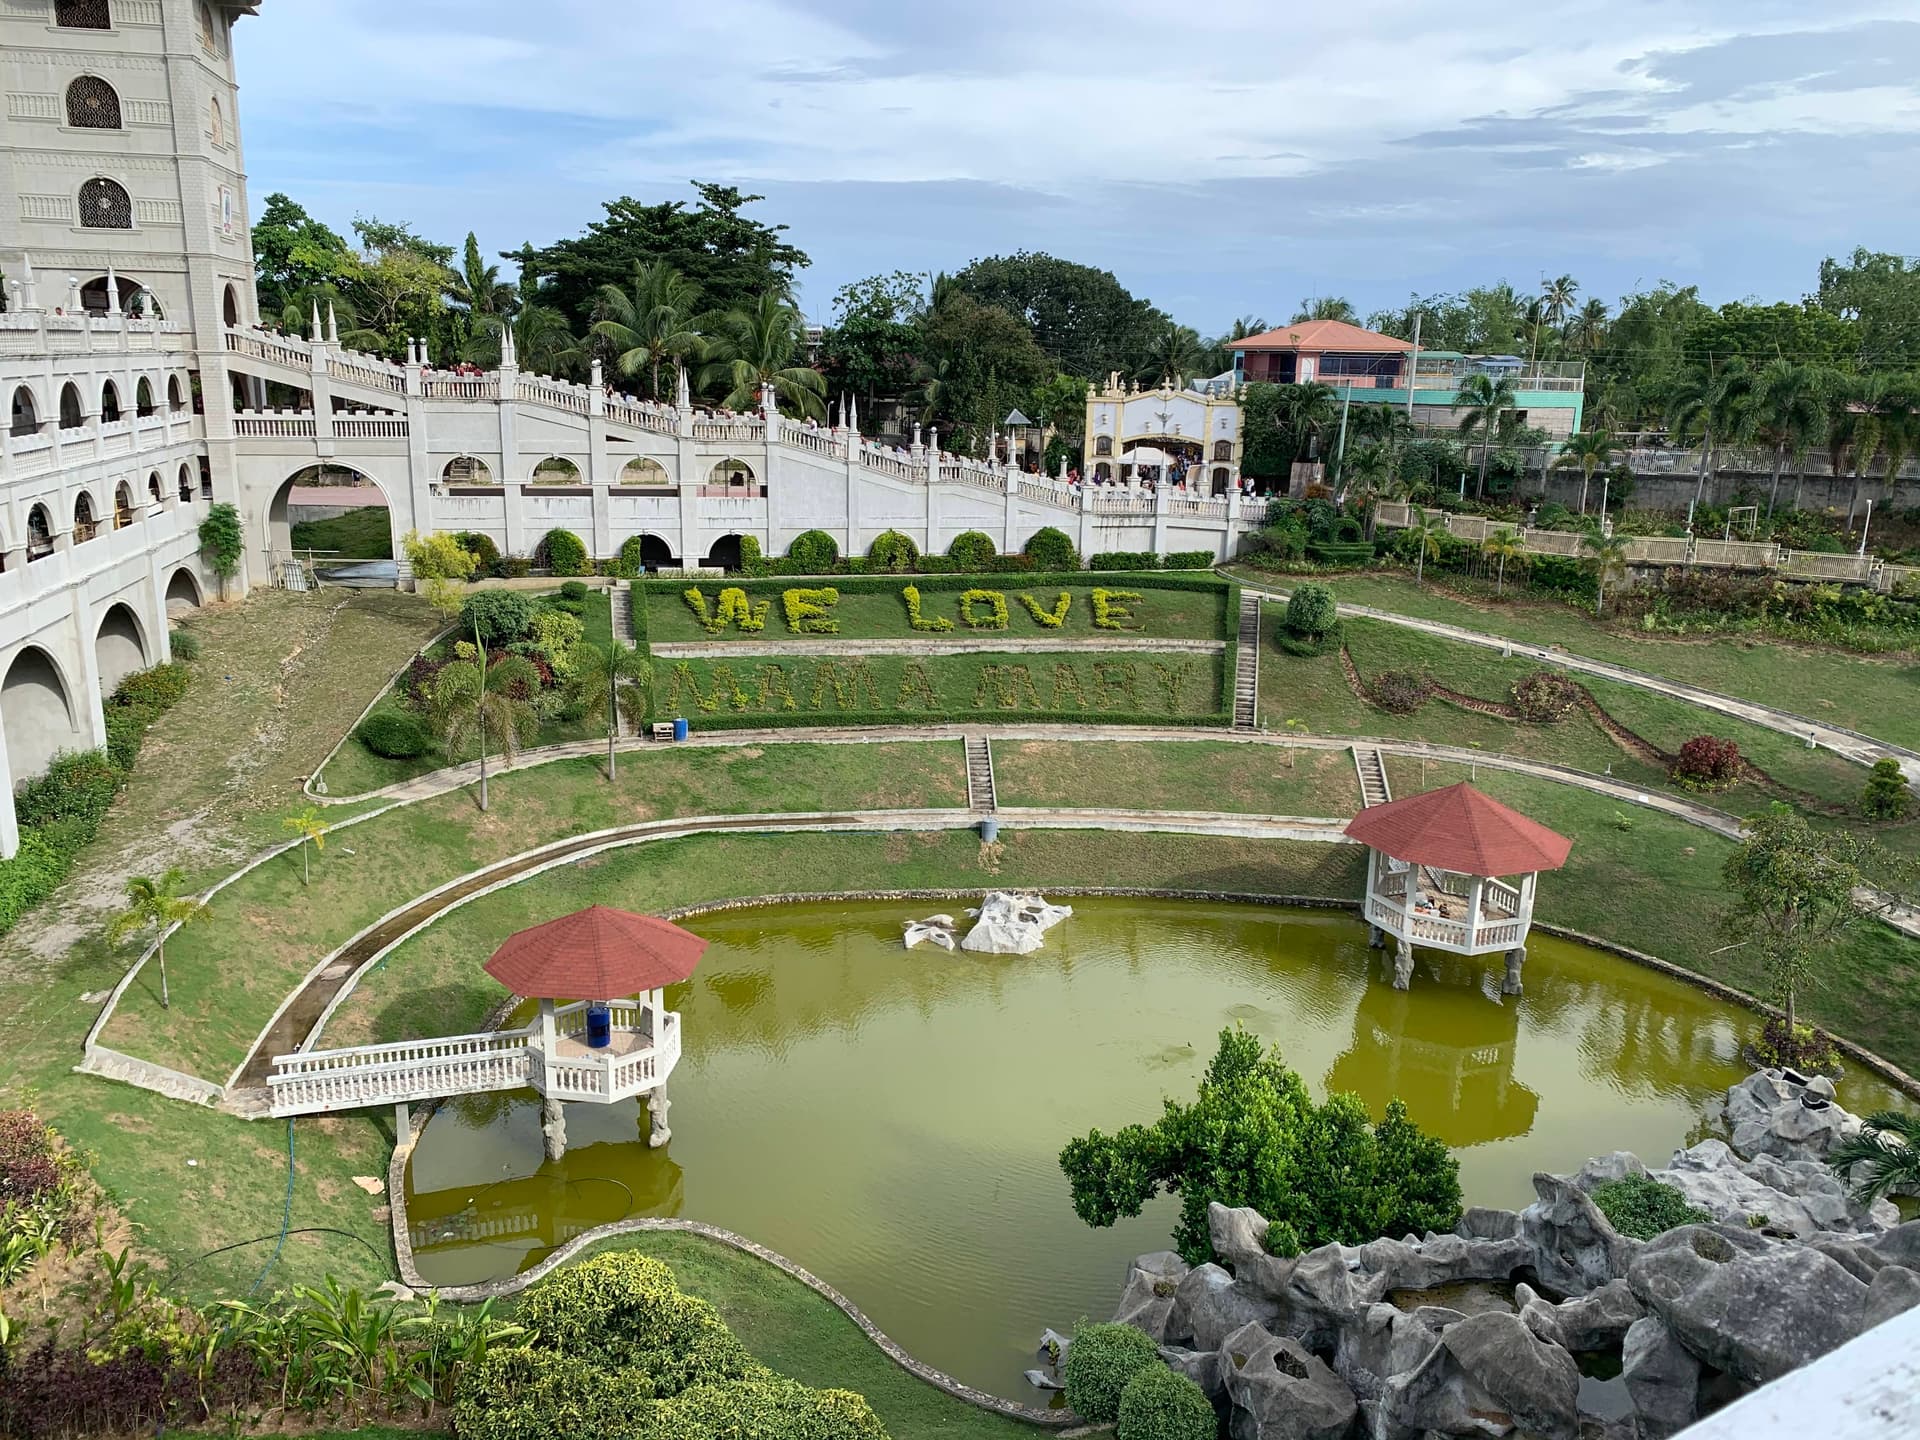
{"x":1460,"y":829}
{"x":596,"y":954}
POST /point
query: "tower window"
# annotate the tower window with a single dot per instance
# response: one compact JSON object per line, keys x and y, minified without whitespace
{"x":105,"y":205}
{"x":82,"y":15}
{"x":92,"y":104}
{"x":211,"y":34}
{"x":216,"y":122}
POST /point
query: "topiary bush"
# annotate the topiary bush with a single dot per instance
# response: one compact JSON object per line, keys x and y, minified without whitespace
{"x":1050,"y":549}
{"x":1311,"y":611}
{"x":892,"y":552}
{"x":503,"y":616}
{"x":972,"y":550}
{"x":394,"y":734}
{"x":574,"y":590}
{"x":485,"y":553}
{"x":815,"y":552}
{"x":626,"y":563}
{"x":1161,"y":1404}
{"x":1102,"y":1359}
{"x":1887,"y":795}
{"x":1545,"y":697}
{"x":565,"y":553}
{"x":1706,"y":762}
{"x":1642,"y":1207}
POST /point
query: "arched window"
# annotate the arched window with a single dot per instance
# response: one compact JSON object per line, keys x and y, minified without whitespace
{"x":174,"y":398}
{"x":1223,"y":450}
{"x":82,"y":15}
{"x":231,"y":306}
{"x":71,"y":416}
{"x":122,"y":505}
{"x":556,"y":470}
{"x":153,"y":487}
{"x":109,"y":403}
{"x":39,"y":532}
{"x":1103,"y":472}
{"x":93,"y":104}
{"x":1103,"y":444}
{"x":105,"y":205}
{"x":143,"y":398}
{"x":186,"y":483}
{"x":212,"y":33}
{"x":84,"y":525}
{"x":216,"y":122}
{"x":26,"y":415}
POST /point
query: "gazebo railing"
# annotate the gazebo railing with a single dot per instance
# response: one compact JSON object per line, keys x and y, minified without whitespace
{"x":1398,"y":918}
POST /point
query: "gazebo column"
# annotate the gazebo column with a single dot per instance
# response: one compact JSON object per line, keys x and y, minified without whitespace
{"x":1375,"y":937}
{"x":1516,"y":958}
{"x":658,"y":1131}
{"x":1475,"y":887}
{"x":553,"y":1128}
{"x":1402,"y":962}
{"x":553,"y":1120}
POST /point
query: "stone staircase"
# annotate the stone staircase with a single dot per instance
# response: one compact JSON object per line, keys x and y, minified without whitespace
{"x":980,"y":795}
{"x":1372,"y":769}
{"x":1246,"y":668}
{"x":621,"y":598}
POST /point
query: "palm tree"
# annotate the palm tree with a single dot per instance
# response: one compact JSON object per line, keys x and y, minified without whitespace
{"x":652,"y":325}
{"x":1887,"y":427}
{"x":1176,"y":352}
{"x":1427,"y":531}
{"x":156,"y":905}
{"x":1556,"y":299}
{"x":755,"y":347}
{"x":1882,"y":1159}
{"x":1589,"y":327}
{"x":1714,"y":405}
{"x":477,"y":286}
{"x":1387,"y":424}
{"x":475,"y":698}
{"x":610,"y":680}
{"x":1607,"y":557}
{"x":1789,"y":414}
{"x":1326,"y":307}
{"x":1369,"y":465}
{"x":309,"y":827}
{"x":1588,"y":449}
{"x":1483,"y":398}
{"x":1305,"y":411}
{"x":1503,"y":545}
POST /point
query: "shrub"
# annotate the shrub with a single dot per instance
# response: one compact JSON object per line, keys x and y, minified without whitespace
{"x":1706,"y":762}
{"x":438,"y":556}
{"x":222,"y":541}
{"x":519,"y":677}
{"x":1642,"y":1207}
{"x":1123,"y":560}
{"x":34,"y":872}
{"x":1311,"y":611}
{"x":995,"y":602}
{"x":1050,"y":549}
{"x":395,"y":734}
{"x":1887,"y":796}
{"x":126,"y":730}
{"x":486,"y":554}
{"x":1545,"y":697}
{"x":1809,"y":1049}
{"x":1189,"y":560}
{"x":516,"y":567}
{"x":814,"y":552}
{"x":573,"y":590}
{"x":626,"y":564}
{"x":565,"y":554}
{"x":752,"y":561}
{"x":78,"y":786}
{"x":502,"y":616}
{"x":806,"y":611}
{"x":972,"y":550}
{"x":1161,"y":1404}
{"x":152,"y":692}
{"x":1399,"y":692}
{"x":1281,"y":1239}
{"x":892,"y":553}
{"x":186,"y":645}
{"x":935,"y":623}
{"x":1102,"y":1359}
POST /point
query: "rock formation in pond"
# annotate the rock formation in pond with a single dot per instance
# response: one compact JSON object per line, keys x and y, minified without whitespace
{"x":936,"y":929}
{"x":1012,"y":924}
{"x":1338,"y":1344}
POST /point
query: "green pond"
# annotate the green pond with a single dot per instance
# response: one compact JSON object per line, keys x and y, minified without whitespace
{"x":891,"y":1119}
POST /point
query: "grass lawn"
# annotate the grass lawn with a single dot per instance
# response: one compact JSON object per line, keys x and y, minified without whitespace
{"x":1159,"y":614}
{"x":883,"y":689}
{"x":1201,"y":775}
{"x":356,"y":770}
{"x":1878,"y":695}
{"x":267,"y":930}
{"x":803,"y":1335}
{"x":363,"y":534}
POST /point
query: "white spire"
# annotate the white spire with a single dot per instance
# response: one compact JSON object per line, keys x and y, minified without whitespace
{"x":113,"y":292}
{"x":683,"y":392}
{"x":317,"y":333}
{"x":853,"y":416}
{"x":74,"y":306}
{"x":333,"y":325}
{"x":30,"y":299}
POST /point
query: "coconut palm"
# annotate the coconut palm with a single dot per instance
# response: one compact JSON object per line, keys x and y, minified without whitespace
{"x":1589,"y":327}
{"x":1306,"y":411}
{"x":1369,"y":466}
{"x":156,"y":905}
{"x":1882,"y":1159}
{"x":1483,"y":398}
{"x":754,"y":347}
{"x":481,"y":699}
{"x":1713,"y":404}
{"x":610,"y":680}
{"x":310,"y":828}
{"x":1176,"y":352}
{"x":1427,"y":532}
{"x":477,"y":286}
{"x":1589,"y":450}
{"x":1326,"y":307}
{"x":1556,"y":299}
{"x":650,"y":326}
{"x":1887,"y":427}
{"x":1387,"y":424}
{"x":1503,"y":545}
{"x":1789,"y":414}
{"x":1607,"y":558}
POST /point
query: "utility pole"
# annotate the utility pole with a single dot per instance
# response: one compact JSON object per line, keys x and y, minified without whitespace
{"x":480,"y":701}
{"x":1414,"y":372}
{"x":1340,"y":450}
{"x":1863,"y":527}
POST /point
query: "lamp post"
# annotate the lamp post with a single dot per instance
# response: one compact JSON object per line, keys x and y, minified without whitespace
{"x":1015,"y":418}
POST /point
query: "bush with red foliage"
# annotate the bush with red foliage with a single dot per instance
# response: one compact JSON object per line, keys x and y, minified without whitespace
{"x":1706,"y":762}
{"x":30,"y":1167}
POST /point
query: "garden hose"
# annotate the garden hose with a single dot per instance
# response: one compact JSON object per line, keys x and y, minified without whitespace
{"x":286,"y":1217}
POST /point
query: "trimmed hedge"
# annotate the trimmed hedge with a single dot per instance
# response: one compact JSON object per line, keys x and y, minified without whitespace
{"x":815,"y":551}
{"x":395,"y":734}
{"x":626,"y":565}
{"x":1143,"y":560}
{"x":1161,"y":1404}
{"x":1050,"y":549}
{"x":1100,"y":1363}
{"x":892,"y":552}
{"x":890,"y":584}
{"x":566,"y":553}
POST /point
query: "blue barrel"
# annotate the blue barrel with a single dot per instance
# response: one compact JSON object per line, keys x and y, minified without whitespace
{"x":989,"y":830}
{"x":679,"y":728}
{"x":599,"y":1027}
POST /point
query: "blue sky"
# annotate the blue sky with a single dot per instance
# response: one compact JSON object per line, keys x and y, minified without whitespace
{"x":1222,"y":160}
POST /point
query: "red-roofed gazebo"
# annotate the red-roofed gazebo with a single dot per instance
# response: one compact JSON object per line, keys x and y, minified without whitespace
{"x":598,"y":953}
{"x":1435,"y":868}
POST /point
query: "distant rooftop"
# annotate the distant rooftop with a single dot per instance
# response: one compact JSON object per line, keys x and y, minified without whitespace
{"x":1323,"y":335}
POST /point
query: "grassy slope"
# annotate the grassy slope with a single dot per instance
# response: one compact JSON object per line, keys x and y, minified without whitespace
{"x":1161,"y":614}
{"x":1202,"y":775}
{"x":1879,"y":695}
{"x":365,"y":534}
{"x":267,"y":929}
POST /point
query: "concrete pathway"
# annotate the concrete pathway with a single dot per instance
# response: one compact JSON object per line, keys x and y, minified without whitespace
{"x":1852,"y":744}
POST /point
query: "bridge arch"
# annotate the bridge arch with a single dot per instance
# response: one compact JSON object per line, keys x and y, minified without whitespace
{"x":184,"y":592}
{"x":338,"y":484}
{"x":72,"y":414}
{"x":724,"y":553}
{"x":644,"y":470}
{"x":37,"y":713}
{"x":657,"y":553}
{"x":26,"y":411}
{"x":119,"y":646}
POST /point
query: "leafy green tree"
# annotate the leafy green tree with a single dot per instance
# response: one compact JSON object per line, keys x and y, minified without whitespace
{"x":872,"y":348}
{"x":1794,"y":893}
{"x":1484,"y":399}
{"x":1645,"y":356}
{"x":1254,"y":1137}
{"x":1503,"y":545}
{"x":312,"y":830}
{"x":1713,"y":403}
{"x":223,"y":542}
{"x":296,"y":257}
{"x":1607,"y":558}
{"x":757,"y":347}
{"x":1083,"y":319}
{"x":156,"y":905}
{"x":477,"y":286}
{"x":1780,"y":331}
{"x":1880,"y":295}
{"x":1266,"y":447}
{"x":1887,"y":795}
{"x":974,"y":357}
{"x":652,"y":325}
{"x":1307,"y":411}
{"x":730,"y":256}
{"x":610,"y":681}
{"x":1882,"y":1159}
{"x":1060,"y":404}
{"x":1585,"y":451}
